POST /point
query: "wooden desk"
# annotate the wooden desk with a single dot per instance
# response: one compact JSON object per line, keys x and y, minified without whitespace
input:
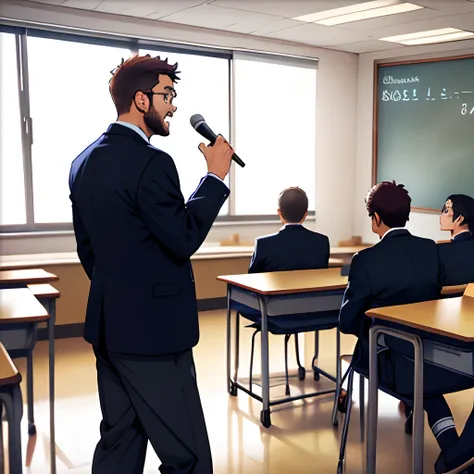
{"x":453,"y":290}
{"x":21,"y":278}
{"x":20,"y":314}
{"x":452,"y":320}
{"x":469,"y":291}
{"x":11,"y":400}
{"x":276,"y":294}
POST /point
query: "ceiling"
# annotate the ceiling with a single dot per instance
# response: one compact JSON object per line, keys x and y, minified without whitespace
{"x":273,"y":19}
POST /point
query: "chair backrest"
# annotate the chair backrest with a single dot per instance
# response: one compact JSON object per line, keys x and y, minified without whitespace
{"x":469,"y":291}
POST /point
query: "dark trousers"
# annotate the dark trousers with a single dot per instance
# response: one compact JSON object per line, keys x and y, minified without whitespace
{"x":151,"y":398}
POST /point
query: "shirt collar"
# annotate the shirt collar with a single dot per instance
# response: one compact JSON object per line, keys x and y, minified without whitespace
{"x":135,"y":128}
{"x":462,"y":232}
{"x":287,"y":225}
{"x":391,"y":230}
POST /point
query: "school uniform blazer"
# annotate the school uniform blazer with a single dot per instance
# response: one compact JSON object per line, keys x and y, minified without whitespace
{"x":399,"y":269}
{"x":293,"y":248}
{"x":457,"y":260}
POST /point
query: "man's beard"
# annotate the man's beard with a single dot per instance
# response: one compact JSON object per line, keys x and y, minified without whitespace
{"x":156,"y":123}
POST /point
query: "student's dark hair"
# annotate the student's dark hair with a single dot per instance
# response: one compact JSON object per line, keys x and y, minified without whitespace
{"x":293,"y":204}
{"x":391,"y":202}
{"x":463,"y":205}
{"x":138,"y":73}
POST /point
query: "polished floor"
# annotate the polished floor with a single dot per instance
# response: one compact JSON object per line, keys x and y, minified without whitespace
{"x":301,"y":439}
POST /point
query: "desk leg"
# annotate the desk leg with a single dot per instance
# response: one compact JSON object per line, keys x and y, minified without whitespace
{"x":265,"y":413}
{"x":51,"y":322}
{"x":373,"y":402}
{"x":418,"y":413}
{"x":231,"y":388}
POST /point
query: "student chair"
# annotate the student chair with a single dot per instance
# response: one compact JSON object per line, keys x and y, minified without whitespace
{"x":291,"y":325}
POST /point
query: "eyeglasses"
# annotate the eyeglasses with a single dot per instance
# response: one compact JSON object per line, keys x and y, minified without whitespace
{"x":166,"y":95}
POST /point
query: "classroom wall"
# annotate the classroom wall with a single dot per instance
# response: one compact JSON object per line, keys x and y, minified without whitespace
{"x":336,"y":116}
{"x":425,"y":225}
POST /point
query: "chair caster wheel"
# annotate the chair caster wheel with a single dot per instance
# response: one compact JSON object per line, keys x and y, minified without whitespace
{"x":233,"y":389}
{"x":287,"y":390}
{"x":265,"y":418}
{"x":301,"y":373}
{"x":316,"y":376}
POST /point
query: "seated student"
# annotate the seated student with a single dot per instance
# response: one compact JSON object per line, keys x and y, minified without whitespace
{"x":402,"y":269}
{"x":294,"y":247}
{"x":457,"y":256}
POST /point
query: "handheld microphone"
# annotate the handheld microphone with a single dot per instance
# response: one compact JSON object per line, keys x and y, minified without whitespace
{"x":200,"y":125}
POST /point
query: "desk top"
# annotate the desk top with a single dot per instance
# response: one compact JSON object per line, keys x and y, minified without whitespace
{"x":27,"y":276}
{"x":297,"y":281}
{"x":469,"y":290}
{"x":451,"y":317}
{"x":19,"y":305}
{"x":9,"y":374}
{"x":44,"y":291}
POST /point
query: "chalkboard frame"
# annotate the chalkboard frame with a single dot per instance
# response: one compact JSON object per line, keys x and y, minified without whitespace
{"x":377,"y":68}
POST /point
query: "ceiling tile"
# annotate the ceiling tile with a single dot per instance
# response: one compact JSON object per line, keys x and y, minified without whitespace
{"x":367,"y":46}
{"x":276,"y":26}
{"x":319,"y":35}
{"x":49,"y":2}
{"x":465,"y":21}
{"x":209,"y":16}
{"x":168,"y":7}
{"x":145,"y":8}
{"x":285,"y":8}
{"x":382,"y":22}
{"x":450,"y":7}
{"x":82,"y":4}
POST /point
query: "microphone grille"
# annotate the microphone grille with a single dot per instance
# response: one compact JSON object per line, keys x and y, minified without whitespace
{"x":196,"y":120}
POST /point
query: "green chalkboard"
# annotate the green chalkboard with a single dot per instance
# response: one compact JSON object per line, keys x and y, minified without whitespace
{"x":424,"y":128}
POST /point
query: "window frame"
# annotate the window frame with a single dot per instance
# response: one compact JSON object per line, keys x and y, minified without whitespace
{"x":134,"y":44}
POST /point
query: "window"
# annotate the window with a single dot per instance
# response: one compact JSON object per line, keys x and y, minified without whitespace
{"x":70,"y":107}
{"x":203,"y":89}
{"x":12,"y":184}
{"x":55,"y":101}
{"x":275,"y":131}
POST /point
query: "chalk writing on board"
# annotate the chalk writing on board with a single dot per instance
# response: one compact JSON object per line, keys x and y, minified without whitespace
{"x":409,"y":95}
{"x":467,"y":110}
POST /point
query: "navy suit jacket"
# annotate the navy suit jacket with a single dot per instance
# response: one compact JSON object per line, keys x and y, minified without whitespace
{"x":457,"y":260}
{"x":293,"y":248}
{"x":135,"y":235}
{"x":400,"y":269}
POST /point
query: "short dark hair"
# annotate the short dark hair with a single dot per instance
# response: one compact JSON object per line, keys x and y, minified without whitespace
{"x":391,"y":202}
{"x":293,"y":204}
{"x":138,"y":73}
{"x":463,"y":205}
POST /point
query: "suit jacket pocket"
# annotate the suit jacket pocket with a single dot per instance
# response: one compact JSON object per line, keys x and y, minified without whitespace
{"x":166,"y":289}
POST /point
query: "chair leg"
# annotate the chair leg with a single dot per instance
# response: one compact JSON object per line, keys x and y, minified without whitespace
{"x":2,"y":451}
{"x":345,"y":428}
{"x":362,"y":406}
{"x":287,"y":338}
{"x":29,"y":387}
{"x":316,"y":374}
{"x":251,"y":357}
{"x":337,"y":394}
{"x":301,"y":369}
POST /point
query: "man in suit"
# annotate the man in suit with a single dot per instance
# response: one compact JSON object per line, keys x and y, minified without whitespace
{"x":294,"y":247}
{"x":400,"y":269}
{"x":457,"y":257}
{"x":135,"y":236}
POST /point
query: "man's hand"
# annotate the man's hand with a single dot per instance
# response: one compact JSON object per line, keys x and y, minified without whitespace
{"x":218,"y":156}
